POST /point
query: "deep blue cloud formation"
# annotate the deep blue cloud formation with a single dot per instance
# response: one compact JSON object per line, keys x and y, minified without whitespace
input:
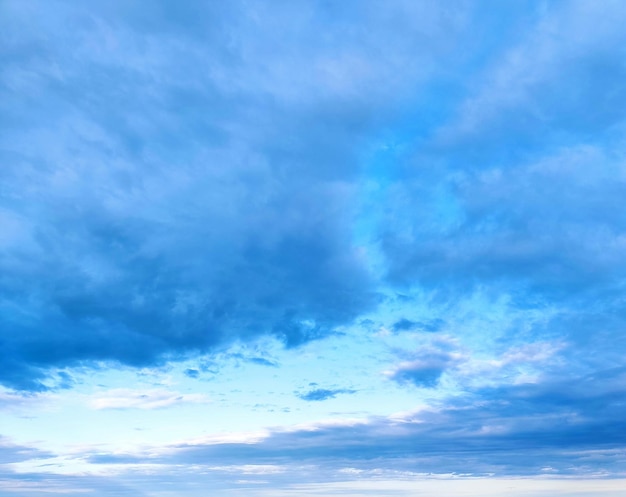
{"x":177,"y":177}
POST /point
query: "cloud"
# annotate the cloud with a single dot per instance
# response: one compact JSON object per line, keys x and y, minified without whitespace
{"x":319,"y":394}
{"x":426,"y":364}
{"x":516,"y":192}
{"x":171,"y":215}
{"x":192,"y":373}
{"x":29,"y":483}
{"x":262,"y":361}
{"x":519,"y":195}
{"x":191,"y":174}
{"x":250,"y":356}
{"x":408,"y":325}
{"x":124,"y":398}
{"x":13,"y":453}
{"x":404,"y":325}
{"x":572,"y":425}
{"x":526,"y":100}
{"x":179,"y":178}
{"x":421,"y":372}
{"x":10,"y":400}
{"x":563,"y":426}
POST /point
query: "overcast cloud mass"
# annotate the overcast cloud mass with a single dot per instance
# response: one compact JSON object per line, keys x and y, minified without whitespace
{"x":313,"y":247}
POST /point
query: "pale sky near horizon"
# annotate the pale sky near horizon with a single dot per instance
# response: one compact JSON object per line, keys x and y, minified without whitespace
{"x":299,"y":248}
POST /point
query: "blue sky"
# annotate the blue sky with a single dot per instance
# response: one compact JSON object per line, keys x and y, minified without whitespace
{"x":306,"y":248}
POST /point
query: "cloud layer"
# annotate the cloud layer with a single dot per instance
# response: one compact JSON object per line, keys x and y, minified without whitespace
{"x":437,"y":187}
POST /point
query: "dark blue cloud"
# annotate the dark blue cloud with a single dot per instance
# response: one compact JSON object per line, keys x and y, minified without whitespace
{"x":408,"y":325}
{"x":419,"y":374}
{"x":180,"y":177}
{"x":404,"y":325}
{"x":423,"y":371}
{"x":192,"y":373}
{"x":424,"y":366}
{"x":319,"y":394}
{"x":185,"y":190}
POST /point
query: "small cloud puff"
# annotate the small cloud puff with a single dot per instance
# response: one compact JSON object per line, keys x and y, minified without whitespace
{"x":192,"y":373}
{"x":408,"y":325}
{"x":320,"y":394}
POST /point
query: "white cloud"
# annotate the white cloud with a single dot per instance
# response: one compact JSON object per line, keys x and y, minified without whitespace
{"x":126,"y":398}
{"x":10,"y":400}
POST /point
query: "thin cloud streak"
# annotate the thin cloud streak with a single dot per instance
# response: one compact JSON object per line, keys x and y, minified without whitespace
{"x":125,"y":398}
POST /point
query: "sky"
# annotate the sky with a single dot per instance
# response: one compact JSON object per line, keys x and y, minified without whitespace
{"x":303,"y":248}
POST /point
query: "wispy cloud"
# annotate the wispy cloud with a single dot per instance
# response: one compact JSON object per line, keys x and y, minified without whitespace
{"x":125,"y":398}
{"x":11,"y":400}
{"x":11,"y":452}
